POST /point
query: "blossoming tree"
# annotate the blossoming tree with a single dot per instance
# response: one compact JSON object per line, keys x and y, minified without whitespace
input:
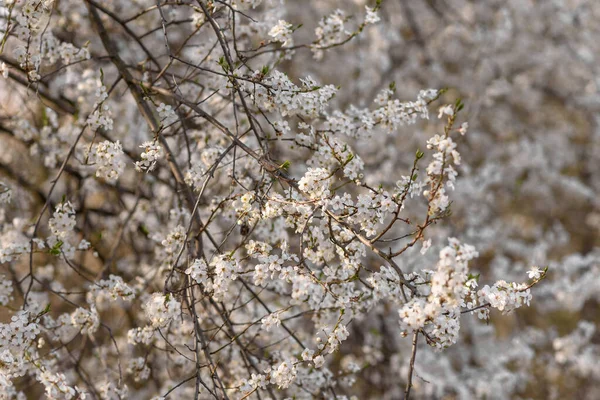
{"x":248,"y":199}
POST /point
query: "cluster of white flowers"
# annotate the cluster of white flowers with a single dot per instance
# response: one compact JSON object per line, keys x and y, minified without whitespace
{"x":245,"y":4}
{"x":54,"y":49}
{"x":226,"y":270}
{"x":309,"y":355}
{"x":57,"y":387}
{"x":138,"y":335}
{"x":198,"y":271}
{"x":282,"y":32}
{"x":386,"y":284}
{"x":389,"y":115}
{"x":6,"y":289}
{"x":63,"y":220}
{"x":17,"y":348}
{"x":256,"y":381}
{"x":448,"y":280}
{"x":271,"y":265}
{"x":441,"y":167}
{"x":315,"y":183}
{"x":99,"y":120}
{"x":18,"y":335}
{"x":371,"y":16}
{"x":31,"y":21}
{"x":245,"y":210}
{"x":13,"y":245}
{"x":174,"y":240}
{"x":277,"y":91}
{"x":284,"y":375}
{"x":101,"y":116}
{"x":332,"y":153}
{"x":330,"y":32}
{"x":113,"y":288}
{"x":410,"y":185}
{"x":81,"y":320}
{"x":62,"y":226}
{"x":336,"y":337}
{"x":270,"y":321}
{"x":505,"y":296}
{"x":161,"y":309}
{"x":139,"y":369}
{"x":108,"y":157}
{"x":110,"y":390}
{"x":194,"y":176}
{"x":101,"y":94}
{"x":439,"y":311}
{"x":149,"y":157}
{"x":414,"y":314}
{"x":370,"y":209}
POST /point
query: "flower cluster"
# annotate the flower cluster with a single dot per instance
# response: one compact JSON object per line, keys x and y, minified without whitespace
{"x":439,"y":312}
{"x":101,"y":116}
{"x":63,"y":220}
{"x":149,"y":157}
{"x":389,"y":115}
{"x":315,"y":183}
{"x":198,"y":271}
{"x":284,"y":375}
{"x":277,"y":91}
{"x":81,"y":320}
{"x":282,"y":32}
{"x":161,"y":309}
{"x":505,"y":296}
{"x":6,"y":289}
{"x":174,"y":240}
{"x":330,"y":32}
{"x":110,"y":289}
{"x":108,"y":158}
{"x":270,"y":321}
{"x":139,"y":369}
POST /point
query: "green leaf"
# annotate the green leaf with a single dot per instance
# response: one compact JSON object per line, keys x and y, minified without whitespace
{"x":55,"y":250}
{"x":285,"y":166}
{"x":472,"y":276}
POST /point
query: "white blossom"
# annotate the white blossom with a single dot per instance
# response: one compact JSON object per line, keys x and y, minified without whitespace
{"x":149,"y":157}
{"x":108,"y":158}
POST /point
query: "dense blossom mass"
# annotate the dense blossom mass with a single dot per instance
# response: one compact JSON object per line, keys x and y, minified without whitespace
{"x":320,"y":199}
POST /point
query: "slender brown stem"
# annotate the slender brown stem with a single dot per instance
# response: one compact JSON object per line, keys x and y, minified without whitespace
{"x":411,"y":369}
